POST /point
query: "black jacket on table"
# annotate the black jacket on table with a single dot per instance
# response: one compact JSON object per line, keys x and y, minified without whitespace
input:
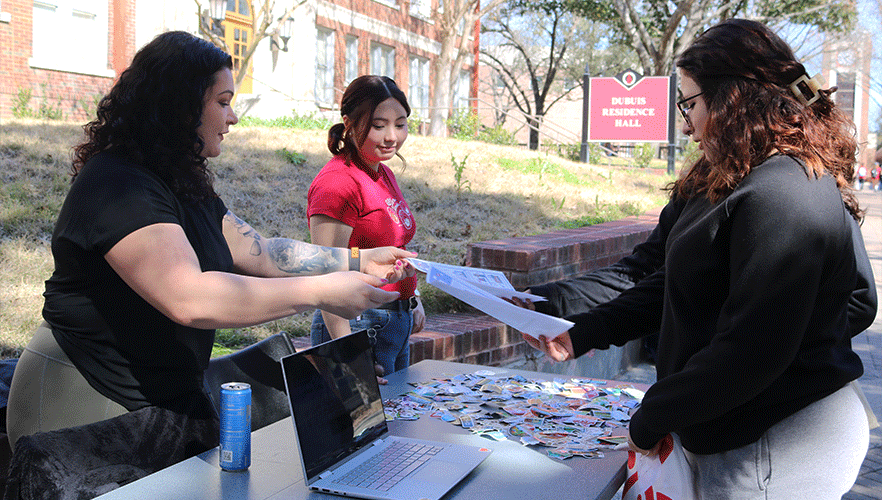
{"x":756,"y":301}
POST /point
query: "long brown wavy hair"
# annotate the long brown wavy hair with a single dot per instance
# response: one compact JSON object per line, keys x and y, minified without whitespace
{"x":745,"y":71}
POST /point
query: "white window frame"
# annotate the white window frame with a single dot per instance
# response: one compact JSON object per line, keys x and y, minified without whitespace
{"x":5,"y":17}
{"x":351,"y":60}
{"x":82,"y":20}
{"x":419,"y":83}
{"x":462,"y":91}
{"x":324,"y":67}
{"x":382,"y":60}
{"x":421,"y":9}
{"x":388,"y":3}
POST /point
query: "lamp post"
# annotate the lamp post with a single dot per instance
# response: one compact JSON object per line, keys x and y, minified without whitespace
{"x":283,"y":31}
{"x":217,"y":11}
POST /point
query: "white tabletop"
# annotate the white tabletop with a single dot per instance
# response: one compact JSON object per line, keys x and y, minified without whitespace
{"x":512,"y":470}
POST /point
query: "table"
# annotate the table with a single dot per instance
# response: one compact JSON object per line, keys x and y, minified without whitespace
{"x":512,"y":470}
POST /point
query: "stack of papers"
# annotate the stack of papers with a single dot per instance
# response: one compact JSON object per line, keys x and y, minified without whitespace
{"x":485,"y":290}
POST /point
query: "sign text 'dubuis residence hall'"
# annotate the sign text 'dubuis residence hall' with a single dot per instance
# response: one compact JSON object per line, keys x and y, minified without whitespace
{"x":628,"y":108}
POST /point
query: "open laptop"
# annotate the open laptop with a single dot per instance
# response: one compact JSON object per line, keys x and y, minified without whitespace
{"x":341,"y":429}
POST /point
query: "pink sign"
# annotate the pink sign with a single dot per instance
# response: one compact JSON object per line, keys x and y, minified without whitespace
{"x":628,"y":108}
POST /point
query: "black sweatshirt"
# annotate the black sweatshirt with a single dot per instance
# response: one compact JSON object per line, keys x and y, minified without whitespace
{"x":756,"y":301}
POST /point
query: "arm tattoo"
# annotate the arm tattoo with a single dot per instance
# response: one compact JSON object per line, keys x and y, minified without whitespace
{"x":299,"y":258}
{"x":247,"y":231}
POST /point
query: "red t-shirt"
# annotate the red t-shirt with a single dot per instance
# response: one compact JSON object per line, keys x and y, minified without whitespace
{"x":370,"y":202}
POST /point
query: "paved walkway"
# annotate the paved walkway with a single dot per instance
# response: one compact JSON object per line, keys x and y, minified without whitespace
{"x":869,"y":346}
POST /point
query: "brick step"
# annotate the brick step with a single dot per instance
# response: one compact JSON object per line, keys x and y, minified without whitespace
{"x":528,"y":260}
{"x":461,"y":337}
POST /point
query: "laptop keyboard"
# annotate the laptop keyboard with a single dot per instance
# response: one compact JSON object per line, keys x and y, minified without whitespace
{"x":384,"y":470}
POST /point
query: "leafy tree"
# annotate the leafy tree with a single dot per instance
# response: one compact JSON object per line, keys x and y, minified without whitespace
{"x":539,"y":52}
{"x":659,"y":30}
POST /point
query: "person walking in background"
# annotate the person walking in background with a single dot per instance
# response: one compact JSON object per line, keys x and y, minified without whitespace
{"x":874,"y":174}
{"x":355,"y":201}
{"x":149,"y":261}
{"x":752,"y":302}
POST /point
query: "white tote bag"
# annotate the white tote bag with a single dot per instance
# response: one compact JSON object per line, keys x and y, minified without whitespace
{"x":666,"y":476}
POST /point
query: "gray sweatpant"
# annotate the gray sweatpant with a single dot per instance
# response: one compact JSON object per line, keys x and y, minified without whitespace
{"x":815,"y":453}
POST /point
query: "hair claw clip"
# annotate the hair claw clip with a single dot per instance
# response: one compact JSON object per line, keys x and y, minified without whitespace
{"x":806,"y":89}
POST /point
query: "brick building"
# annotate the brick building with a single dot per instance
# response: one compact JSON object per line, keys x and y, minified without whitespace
{"x":57,"y":57}
{"x":60,"y":56}
{"x":846,"y":65}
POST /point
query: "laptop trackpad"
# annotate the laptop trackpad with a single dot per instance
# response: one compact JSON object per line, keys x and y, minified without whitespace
{"x":441,"y":471}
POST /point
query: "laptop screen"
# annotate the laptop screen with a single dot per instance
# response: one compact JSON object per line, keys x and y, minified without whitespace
{"x":335,"y":400}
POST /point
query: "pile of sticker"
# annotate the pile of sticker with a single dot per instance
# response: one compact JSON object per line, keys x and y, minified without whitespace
{"x":572,"y":417}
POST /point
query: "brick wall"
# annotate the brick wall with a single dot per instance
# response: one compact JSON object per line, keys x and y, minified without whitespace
{"x":476,"y":338}
{"x":74,"y":94}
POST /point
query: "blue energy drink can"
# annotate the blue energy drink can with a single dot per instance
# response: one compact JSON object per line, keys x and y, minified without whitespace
{"x":235,"y":426}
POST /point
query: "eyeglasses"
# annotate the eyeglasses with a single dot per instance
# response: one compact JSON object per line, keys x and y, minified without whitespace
{"x":684,"y":107}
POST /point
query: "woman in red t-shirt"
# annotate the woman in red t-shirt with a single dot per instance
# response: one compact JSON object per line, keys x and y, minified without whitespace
{"x":355,"y":201}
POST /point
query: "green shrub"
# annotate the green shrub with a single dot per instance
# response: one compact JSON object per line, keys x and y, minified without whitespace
{"x":309,"y":121}
{"x":463,"y":125}
{"x":644,"y":154}
{"x":497,"y":135}
{"x":292,"y":157}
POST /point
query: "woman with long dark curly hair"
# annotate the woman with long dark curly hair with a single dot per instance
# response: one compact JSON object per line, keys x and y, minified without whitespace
{"x":761,"y":257}
{"x":149,"y":261}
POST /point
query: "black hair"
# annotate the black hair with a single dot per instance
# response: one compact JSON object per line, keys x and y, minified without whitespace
{"x":154,"y":109}
{"x":360,"y":99}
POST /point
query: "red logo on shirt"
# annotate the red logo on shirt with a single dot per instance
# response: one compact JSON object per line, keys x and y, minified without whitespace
{"x":399,"y":213}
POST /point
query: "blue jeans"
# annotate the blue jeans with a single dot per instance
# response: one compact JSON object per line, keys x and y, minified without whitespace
{"x":389,"y":328}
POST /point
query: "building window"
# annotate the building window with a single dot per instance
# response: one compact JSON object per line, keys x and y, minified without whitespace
{"x":324,"y":67}
{"x":421,"y":8}
{"x":238,"y":34}
{"x":419,"y":87}
{"x":845,"y":83}
{"x":462,"y":91}
{"x":351,"y":59}
{"x":382,"y":60}
{"x":82,"y":20}
{"x":240,"y":7}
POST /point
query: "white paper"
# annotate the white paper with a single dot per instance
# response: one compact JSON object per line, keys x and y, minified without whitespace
{"x":493,"y":282}
{"x":524,"y":320}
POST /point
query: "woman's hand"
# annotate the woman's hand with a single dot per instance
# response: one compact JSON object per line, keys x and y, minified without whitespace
{"x":387,"y":263}
{"x":647,"y":453}
{"x":559,"y":348}
{"x":419,"y":317}
{"x":350,"y":293}
{"x":525,"y":303}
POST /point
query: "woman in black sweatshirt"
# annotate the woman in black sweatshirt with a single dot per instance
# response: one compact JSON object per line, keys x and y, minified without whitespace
{"x":752,"y":301}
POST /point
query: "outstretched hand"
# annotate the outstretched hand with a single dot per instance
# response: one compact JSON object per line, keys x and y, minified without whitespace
{"x":559,"y":348}
{"x":387,"y":263}
{"x":348,"y":294}
{"x":525,"y":303}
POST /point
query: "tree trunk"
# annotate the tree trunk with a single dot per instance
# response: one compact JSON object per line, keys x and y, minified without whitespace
{"x":441,"y":96}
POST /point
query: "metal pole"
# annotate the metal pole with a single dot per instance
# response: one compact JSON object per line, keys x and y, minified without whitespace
{"x":583,"y":152}
{"x":672,"y":120}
